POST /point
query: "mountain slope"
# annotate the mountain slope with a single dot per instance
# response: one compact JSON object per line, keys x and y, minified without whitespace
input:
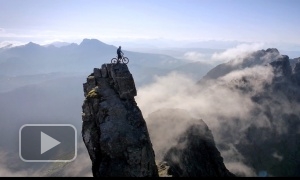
{"x":261,"y":57}
{"x":267,"y":134}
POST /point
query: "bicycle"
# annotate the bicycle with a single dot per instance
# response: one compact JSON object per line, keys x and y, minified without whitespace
{"x":124,"y":60}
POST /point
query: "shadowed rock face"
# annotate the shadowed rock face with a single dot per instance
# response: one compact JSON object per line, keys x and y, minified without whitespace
{"x":196,"y":154}
{"x":114,"y":130}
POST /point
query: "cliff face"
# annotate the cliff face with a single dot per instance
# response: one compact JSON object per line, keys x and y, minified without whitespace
{"x":114,"y":130}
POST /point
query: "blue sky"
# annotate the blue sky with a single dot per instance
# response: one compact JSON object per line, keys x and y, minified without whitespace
{"x":44,"y":21}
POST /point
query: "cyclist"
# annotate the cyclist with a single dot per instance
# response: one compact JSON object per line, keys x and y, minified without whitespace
{"x":120,"y":53}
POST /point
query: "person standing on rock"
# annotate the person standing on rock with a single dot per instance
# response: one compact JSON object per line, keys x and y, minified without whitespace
{"x":120,"y":53}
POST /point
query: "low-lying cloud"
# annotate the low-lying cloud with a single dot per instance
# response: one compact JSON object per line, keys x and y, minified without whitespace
{"x":81,"y":166}
{"x":193,"y":56}
{"x":237,"y":52}
{"x":10,"y":44}
{"x":12,"y":166}
{"x":211,"y":100}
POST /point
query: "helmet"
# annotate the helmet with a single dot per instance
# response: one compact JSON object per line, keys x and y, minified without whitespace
{"x":120,"y":47}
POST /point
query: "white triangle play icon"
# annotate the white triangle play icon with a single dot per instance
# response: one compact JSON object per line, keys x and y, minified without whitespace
{"x":47,"y":142}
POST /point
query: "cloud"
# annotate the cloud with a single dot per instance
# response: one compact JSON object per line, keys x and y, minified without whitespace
{"x":257,"y":77}
{"x":10,"y":44}
{"x":178,"y":91}
{"x":40,"y":37}
{"x":81,"y":166}
{"x":52,"y":41}
{"x":235,"y":162}
{"x":11,"y":166}
{"x":193,"y":56}
{"x":241,"y":169}
{"x":277,"y":156}
{"x":237,"y":52}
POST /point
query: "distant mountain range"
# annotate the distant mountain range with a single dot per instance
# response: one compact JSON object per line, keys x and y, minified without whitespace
{"x":32,"y":59}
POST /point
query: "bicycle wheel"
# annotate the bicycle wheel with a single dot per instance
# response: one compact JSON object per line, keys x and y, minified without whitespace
{"x":114,"y":60}
{"x":125,"y":60}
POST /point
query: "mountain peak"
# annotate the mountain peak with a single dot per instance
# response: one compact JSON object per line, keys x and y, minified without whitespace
{"x":91,"y":42}
{"x":272,"y":50}
{"x":32,"y":45}
{"x":96,"y":45}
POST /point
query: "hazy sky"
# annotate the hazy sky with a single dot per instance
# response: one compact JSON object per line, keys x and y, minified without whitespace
{"x":44,"y":21}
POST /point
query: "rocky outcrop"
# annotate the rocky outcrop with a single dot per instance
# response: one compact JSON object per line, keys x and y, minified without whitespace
{"x":196,"y":155}
{"x":184,"y":146}
{"x":282,"y":66}
{"x":296,"y":74}
{"x":113,"y":129}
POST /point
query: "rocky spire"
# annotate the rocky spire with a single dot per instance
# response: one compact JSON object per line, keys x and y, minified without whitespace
{"x":196,"y":155}
{"x":114,"y":130}
{"x":184,"y":146}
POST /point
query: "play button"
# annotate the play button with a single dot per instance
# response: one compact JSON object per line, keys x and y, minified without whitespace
{"x":47,"y":143}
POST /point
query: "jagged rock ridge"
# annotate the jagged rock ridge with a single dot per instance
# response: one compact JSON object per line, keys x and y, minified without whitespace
{"x":191,"y":150}
{"x":114,"y":130}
